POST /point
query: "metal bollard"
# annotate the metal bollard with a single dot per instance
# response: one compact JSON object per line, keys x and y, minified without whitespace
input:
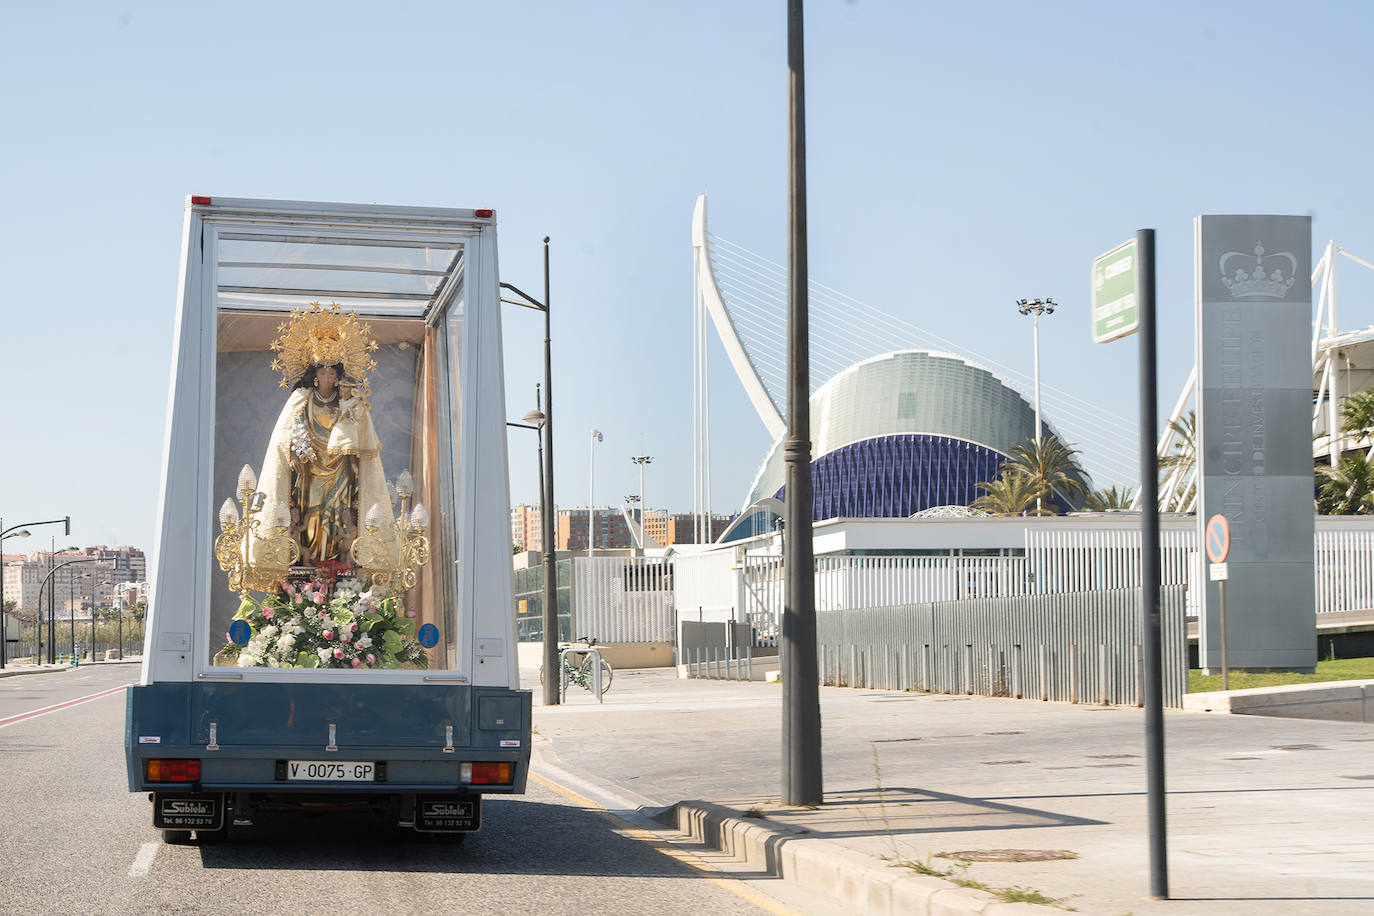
{"x":1044,"y":676}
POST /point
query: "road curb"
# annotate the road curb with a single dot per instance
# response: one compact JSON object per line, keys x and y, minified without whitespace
{"x":814,"y":863}
{"x":48,"y":669}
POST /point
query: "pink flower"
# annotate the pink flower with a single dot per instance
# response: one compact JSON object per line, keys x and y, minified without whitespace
{"x":371,"y":659}
{"x":288,"y":588}
{"x":267,"y":612}
{"x":345,"y":637}
{"x":227,"y":637}
{"x":328,"y":634}
{"x":357,"y":664}
{"x":352,"y":628}
{"x":338,"y":653}
{"x":300,"y":600}
{"x":410,"y":613}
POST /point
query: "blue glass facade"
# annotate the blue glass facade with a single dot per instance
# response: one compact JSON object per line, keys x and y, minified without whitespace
{"x":895,"y":476}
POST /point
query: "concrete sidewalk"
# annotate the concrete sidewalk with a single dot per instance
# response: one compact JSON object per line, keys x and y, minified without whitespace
{"x":1265,"y":815}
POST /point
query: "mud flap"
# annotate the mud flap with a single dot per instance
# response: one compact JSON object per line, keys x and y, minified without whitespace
{"x":448,"y":813}
{"x":185,"y":811}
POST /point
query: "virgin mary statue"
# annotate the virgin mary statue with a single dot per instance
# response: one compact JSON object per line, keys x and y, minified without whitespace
{"x":323,"y":459}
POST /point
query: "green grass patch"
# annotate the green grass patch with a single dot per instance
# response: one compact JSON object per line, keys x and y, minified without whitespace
{"x":1339,"y":669}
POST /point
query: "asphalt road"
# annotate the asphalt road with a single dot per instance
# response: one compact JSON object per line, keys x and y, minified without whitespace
{"x":75,"y":840}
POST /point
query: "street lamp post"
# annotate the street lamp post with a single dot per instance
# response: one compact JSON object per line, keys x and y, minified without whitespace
{"x":1035,"y":308}
{"x":4,"y":628}
{"x":551,"y":697}
{"x":52,"y":653}
{"x":642,"y":460}
{"x":21,"y":531}
{"x":591,"y":492}
{"x":534,"y":420}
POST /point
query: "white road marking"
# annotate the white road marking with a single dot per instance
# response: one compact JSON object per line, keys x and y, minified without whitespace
{"x":143,"y":862}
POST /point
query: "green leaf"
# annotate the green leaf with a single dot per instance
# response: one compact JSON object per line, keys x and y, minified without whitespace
{"x":391,"y":642}
{"x":307,"y":660}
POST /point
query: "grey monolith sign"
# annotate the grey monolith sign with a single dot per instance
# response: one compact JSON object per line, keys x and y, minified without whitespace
{"x":1254,"y":325}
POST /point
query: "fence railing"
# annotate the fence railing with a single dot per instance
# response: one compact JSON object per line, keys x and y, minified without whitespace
{"x":1077,"y":648}
{"x":624,"y":599}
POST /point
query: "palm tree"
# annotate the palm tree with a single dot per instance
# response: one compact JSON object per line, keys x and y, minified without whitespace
{"x":1108,"y":499}
{"x":1348,"y":488}
{"x":1051,"y":463}
{"x":1357,"y":415}
{"x":1011,"y":494}
{"x":1182,"y":461}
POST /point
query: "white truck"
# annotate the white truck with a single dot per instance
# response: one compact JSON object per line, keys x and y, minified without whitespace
{"x":330,"y":625}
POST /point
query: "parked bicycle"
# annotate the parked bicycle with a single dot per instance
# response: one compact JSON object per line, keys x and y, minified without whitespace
{"x":578,"y":666}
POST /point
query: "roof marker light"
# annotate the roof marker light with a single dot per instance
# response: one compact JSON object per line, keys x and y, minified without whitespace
{"x":200,"y":200}
{"x":482,"y":213}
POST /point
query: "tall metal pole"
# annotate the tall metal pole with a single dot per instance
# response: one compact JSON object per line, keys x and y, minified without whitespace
{"x":591,"y":492}
{"x":1035,"y":336}
{"x":1150,"y":569}
{"x":801,"y":713}
{"x":551,"y":634}
{"x":642,"y":460}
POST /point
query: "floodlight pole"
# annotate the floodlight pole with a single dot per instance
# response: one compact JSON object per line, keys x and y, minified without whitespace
{"x":801,"y":713}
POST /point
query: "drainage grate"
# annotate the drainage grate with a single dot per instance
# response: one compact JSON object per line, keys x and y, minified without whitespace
{"x":1009,"y":855}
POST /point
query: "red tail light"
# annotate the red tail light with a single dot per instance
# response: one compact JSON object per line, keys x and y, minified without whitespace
{"x":485,"y":772}
{"x":172,"y":770}
{"x":483,"y":214}
{"x":200,"y":200}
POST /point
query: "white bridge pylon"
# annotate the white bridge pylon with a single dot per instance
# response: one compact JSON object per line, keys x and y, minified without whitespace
{"x":744,"y":294}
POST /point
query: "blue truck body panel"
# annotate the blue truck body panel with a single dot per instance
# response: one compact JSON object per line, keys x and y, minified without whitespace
{"x":404,"y":726}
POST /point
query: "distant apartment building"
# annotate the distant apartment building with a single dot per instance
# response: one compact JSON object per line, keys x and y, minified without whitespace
{"x":682,"y":528}
{"x":526,"y":527}
{"x":80,"y":585}
{"x":609,"y":525}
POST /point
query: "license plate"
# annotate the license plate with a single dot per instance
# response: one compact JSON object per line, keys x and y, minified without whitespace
{"x":331,"y":771}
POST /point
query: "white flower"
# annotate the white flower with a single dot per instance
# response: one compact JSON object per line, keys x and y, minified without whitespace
{"x":324,"y":654}
{"x":364,"y":641}
{"x":286,"y":642}
{"x":246,"y":660}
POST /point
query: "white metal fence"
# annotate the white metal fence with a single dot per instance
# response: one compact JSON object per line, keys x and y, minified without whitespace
{"x":1076,"y":647}
{"x":623,"y":599}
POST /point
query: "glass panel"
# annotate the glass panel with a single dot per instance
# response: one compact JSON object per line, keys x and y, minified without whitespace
{"x":323,"y":558}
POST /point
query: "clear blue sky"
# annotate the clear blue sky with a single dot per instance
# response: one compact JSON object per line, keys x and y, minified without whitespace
{"x":962,"y":156}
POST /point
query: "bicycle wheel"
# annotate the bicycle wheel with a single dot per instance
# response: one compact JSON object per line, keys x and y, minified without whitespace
{"x":585,"y":674}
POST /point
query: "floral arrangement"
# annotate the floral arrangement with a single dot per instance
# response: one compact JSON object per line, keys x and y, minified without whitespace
{"x":312,"y":625}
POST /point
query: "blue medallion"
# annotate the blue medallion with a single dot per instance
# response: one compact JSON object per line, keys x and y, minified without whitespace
{"x":428,"y":636}
{"x":240,"y":632}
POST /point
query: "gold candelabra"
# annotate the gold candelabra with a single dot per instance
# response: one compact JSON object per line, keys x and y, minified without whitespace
{"x":276,"y":552}
{"x":370,"y":551}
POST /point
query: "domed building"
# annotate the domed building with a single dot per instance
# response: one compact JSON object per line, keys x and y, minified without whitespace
{"x":903,"y":432}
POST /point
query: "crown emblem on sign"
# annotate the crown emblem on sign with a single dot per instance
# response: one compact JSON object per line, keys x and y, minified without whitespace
{"x":1265,"y":278}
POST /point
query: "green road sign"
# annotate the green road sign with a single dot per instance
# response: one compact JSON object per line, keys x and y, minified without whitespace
{"x":1116,"y":310}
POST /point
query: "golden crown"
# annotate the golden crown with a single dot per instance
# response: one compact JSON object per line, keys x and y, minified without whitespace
{"x":324,"y":335}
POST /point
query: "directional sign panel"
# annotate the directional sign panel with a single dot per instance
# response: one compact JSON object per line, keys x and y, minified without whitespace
{"x":1218,"y":539}
{"x":1115,"y":309}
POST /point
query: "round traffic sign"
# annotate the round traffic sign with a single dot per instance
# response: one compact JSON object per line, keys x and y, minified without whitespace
{"x":1218,"y":538}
